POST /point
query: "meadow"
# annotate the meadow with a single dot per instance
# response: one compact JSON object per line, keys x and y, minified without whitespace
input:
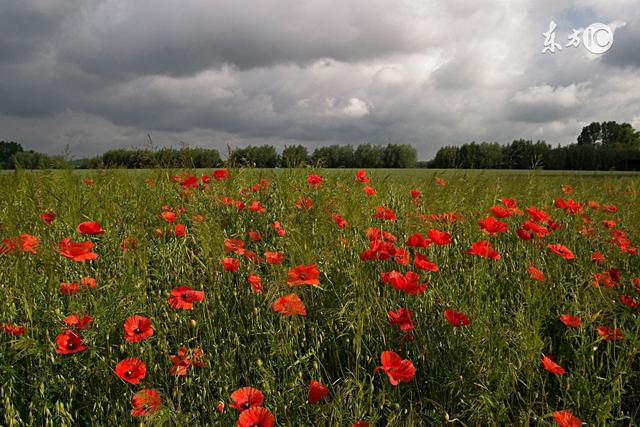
{"x":379,"y":298}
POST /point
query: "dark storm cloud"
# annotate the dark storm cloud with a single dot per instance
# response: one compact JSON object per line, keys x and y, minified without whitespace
{"x":182,"y":38}
{"x":625,"y":51}
{"x":97,"y":74}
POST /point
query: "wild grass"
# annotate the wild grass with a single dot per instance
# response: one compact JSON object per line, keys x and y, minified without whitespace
{"x":488,"y":373}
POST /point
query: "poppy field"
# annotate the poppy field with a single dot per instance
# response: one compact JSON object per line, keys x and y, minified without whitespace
{"x":317,"y":297}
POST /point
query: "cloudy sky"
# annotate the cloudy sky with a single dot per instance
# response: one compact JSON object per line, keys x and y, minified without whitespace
{"x":99,"y":74}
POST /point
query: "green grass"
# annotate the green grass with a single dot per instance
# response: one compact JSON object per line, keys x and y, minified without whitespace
{"x":488,"y":373}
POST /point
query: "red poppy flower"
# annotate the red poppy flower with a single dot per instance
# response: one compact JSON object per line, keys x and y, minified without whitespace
{"x":314,"y":180}
{"x":439,"y":237}
{"x":273,"y":257}
{"x":535,"y":274}
{"x":570,"y":206}
{"x":303,"y":275}
{"x":629,"y":301}
{"x":396,"y":368}
{"x":289,"y":305}
{"x":78,"y":323}
{"x":423,"y":263}
{"x":570,"y":321}
{"x":369,"y":190}
{"x":48,"y":217}
{"x":169,"y":216}
{"x":254,"y":281}
{"x":609,"y":334}
{"x":509,"y":203}
{"x":28,"y":243}
{"x":13,"y":330}
{"x":402,"y":318}
{"x":492,"y":226}
{"x":90,"y":227}
{"x":360,"y":423}
{"x":69,"y":288}
{"x":220,"y":174}
{"x":361,"y":176}
{"x":145,"y":402}
{"x":137,"y":328}
{"x":183,"y":297}
{"x":407,"y":282}
{"x":233,"y":245}
{"x":483,"y":249}
{"x":245,"y":398}
{"x":220,"y":407}
{"x":603,"y":279}
{"x":88,"y":281}
{"x":456,"y":318}
{"x":131,"y":370}
{"x":500,"y":212}
{"x":23,"y":243}
{"x":256,"y":417}
{"x":69,"y":342}
{"x":414,"y":193}
{"x":230,"y":264}
{"x":304,"y":203}
{"x":530,"y":229}
{"x":278,"y":228}
{"x":551,"y":366}
{"x":561,"y":250}
{"x":566,"y":419}
{"x":441,"y":182}
{"x":179,"y":230}
{"x":257,"y":207}
{"x":417,"y":240}
{"x":88,"y":181}
{"x":537,"y":215}
{"x":254,"y":236}
{"x":384,"y":213}
{"x":340,"y":221}
{"x":597,"y":257}
{"x":180,"y":363}
{"x":77,"y":251}
{"x":317,"y":392}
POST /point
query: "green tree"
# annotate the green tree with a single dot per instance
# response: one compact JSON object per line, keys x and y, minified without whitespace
{"x":446,"y":157}
{"x":368,"y":156}
{"x":294,"y":156}
{"x":608,"y":133}
{"x":7,"y":151}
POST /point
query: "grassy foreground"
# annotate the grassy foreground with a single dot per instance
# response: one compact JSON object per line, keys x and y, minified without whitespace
{"x":488,"y":372}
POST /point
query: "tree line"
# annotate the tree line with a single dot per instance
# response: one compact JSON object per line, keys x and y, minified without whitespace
{"x":13,"y":156}
{"x":600,"y":146}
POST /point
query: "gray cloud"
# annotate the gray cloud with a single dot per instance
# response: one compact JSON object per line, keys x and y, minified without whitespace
{"x":625,"y":51}
{"x":98,"y":74}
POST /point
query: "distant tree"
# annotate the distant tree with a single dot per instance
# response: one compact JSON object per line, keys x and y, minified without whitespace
{"x":294,"y":156}
{"x":399,"y":156}
{"x":328,"y":156}
{"x":7,"y":151}
{"x":368,"y":156}
{"x":524,"y":154}
{"x":590,"y":134}
{"x":264,"y":156}
{"x":614,"y":133}
{"x":446,"y":157}
{"x":608,"y":133}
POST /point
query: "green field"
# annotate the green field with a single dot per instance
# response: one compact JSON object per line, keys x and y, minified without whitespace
{"x":488,"y":372}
